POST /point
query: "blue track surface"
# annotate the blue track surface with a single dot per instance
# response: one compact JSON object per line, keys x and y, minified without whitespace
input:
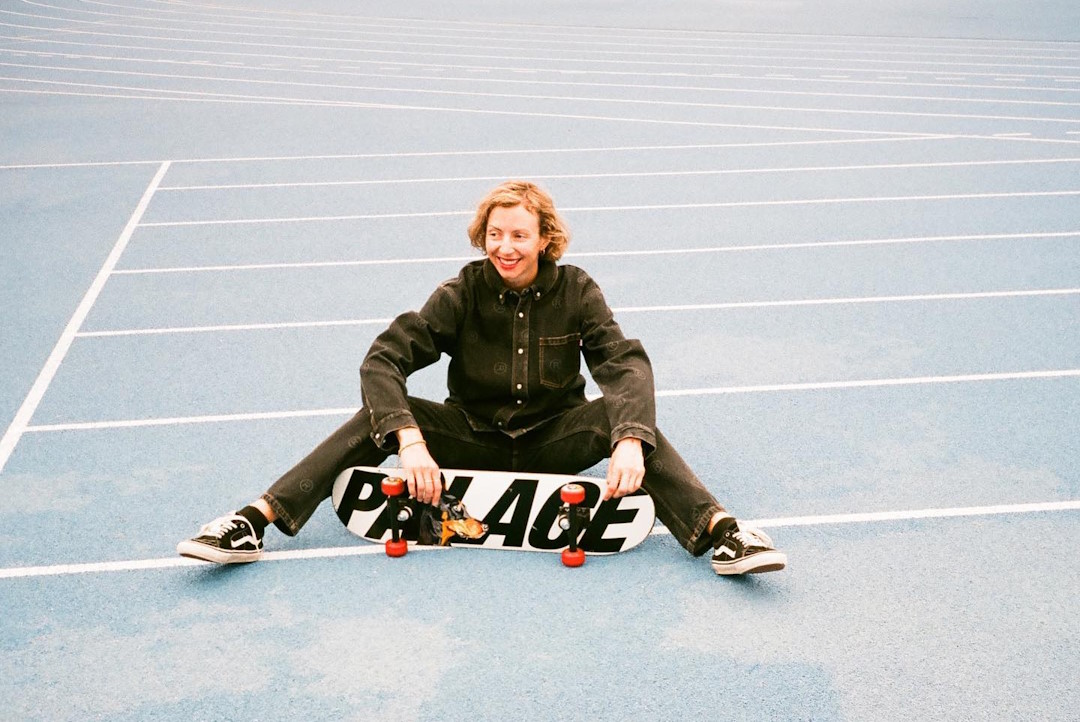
{"x":848,"y":234}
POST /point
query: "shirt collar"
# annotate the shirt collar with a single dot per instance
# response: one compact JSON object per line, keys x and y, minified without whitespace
{"x":546,"y":276}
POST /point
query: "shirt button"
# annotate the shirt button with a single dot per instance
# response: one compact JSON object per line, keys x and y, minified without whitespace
{"x":520,"y":402}
{"x":521,"y":350}
{"x":519,"y":386}
{"x":521,"y":315}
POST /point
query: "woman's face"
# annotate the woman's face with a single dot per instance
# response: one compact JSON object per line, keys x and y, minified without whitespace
{"x":514,"y":244}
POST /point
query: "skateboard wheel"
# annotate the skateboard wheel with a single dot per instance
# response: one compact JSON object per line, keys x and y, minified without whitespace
{"x":573,"y":557}
{"x":396,"y":548}
{"x":572,"y":493}
{"x":392,"y":486}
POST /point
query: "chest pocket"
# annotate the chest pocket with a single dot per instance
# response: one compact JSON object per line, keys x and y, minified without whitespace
{"x":560,"y":360}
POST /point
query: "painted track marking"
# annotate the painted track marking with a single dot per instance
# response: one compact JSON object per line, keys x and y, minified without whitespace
{"x":620,"y":253}
{"x":735,"y":305}
{"x":21,"y":422}
{"x":377,"y":549}
{"x":672,"y":393}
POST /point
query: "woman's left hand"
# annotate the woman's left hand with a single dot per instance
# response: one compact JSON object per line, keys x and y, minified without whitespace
{"x":626,"y":469}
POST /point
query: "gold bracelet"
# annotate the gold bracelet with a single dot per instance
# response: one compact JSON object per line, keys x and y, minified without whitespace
{"x":411,"y":443}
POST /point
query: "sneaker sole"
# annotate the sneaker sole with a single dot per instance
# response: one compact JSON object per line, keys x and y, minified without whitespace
{"x":755,"y":564}
{"x":195,"y":550}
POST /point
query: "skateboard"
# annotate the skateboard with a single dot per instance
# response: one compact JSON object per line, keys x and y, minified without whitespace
{"x":494,"y":510}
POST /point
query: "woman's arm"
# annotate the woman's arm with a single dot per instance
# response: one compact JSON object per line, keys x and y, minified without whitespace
{"x":626,"y":468}
{"x":421,"y":470}
{"x":623,"y":372}
{"x":413,"y":341}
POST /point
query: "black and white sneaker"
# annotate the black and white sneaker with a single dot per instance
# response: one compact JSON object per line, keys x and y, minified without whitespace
{"x":745,"y":550}
{"x":229,"y":539}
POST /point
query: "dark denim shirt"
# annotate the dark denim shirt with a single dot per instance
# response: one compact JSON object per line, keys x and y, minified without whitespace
{"x":515,"y":358}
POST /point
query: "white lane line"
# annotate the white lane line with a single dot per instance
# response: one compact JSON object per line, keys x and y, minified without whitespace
{"x":606,"y":254}
{"x":235,"y":327}
{"x":628,"y":309}
{"x":306,"y":219}
{"x":349,"y":71}
{"x":636,"y":174}
{"x":874,"y":383}
{"x":21,"y":422}
{"x":826,"y":201}
{"x":534,"y":83}
{"x":430,"y":67}
{"x":486,"y":152}
{"x":55,"y":570}
{"x":641,"y":58}
{"x":228,"y":100}
{"x":78,"y":164}
{"x":182,"y":420}
{"x":426,"y":35}
{"x":194,"y":95}
{"x":883,"y":516}
{"x":599,"y":209}
{"x":722,"y":390}
{"x":442,"y":92}
{"x":187,"y":96}
{"x":180,"y":562}
{"x":313,"y":264}
{"x":851,"y":301}
{"x":1027,"y":139}
{"x":560,"y":32}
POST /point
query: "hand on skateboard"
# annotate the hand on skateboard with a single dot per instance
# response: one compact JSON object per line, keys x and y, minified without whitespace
{"x":494,"y":510}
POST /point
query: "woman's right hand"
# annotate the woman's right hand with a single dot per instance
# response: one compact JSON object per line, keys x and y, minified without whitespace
{"x":421,"y":472}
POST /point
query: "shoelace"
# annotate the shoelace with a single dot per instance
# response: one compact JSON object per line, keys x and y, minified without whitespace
{"x":219,"y":527}
{"x":750,"y":537}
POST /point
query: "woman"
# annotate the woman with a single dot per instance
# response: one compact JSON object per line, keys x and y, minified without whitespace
{"x":515,"y":326}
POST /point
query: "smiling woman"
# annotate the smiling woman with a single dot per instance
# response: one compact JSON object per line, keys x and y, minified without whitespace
{"x":514,"y":245}
{"x":516,"y":225}
{"x":515,"y":326}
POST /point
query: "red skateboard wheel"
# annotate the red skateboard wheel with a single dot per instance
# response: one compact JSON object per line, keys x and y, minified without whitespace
{"x":572,"y":494}
{"x":392,"y":486}
{"x":396,"y":548}
{"x":573,"y":557}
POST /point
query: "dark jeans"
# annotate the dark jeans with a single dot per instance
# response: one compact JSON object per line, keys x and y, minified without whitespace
{"x":576,"y":440}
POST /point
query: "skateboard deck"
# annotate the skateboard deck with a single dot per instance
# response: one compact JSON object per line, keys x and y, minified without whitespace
{"x":502,"y":510}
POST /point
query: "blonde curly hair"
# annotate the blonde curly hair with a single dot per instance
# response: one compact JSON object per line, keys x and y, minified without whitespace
{"x":535,"y":200}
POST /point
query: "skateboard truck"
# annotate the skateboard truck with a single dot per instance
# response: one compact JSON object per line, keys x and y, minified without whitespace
{"x":572,"y":519}
{"x":394,"y":489}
